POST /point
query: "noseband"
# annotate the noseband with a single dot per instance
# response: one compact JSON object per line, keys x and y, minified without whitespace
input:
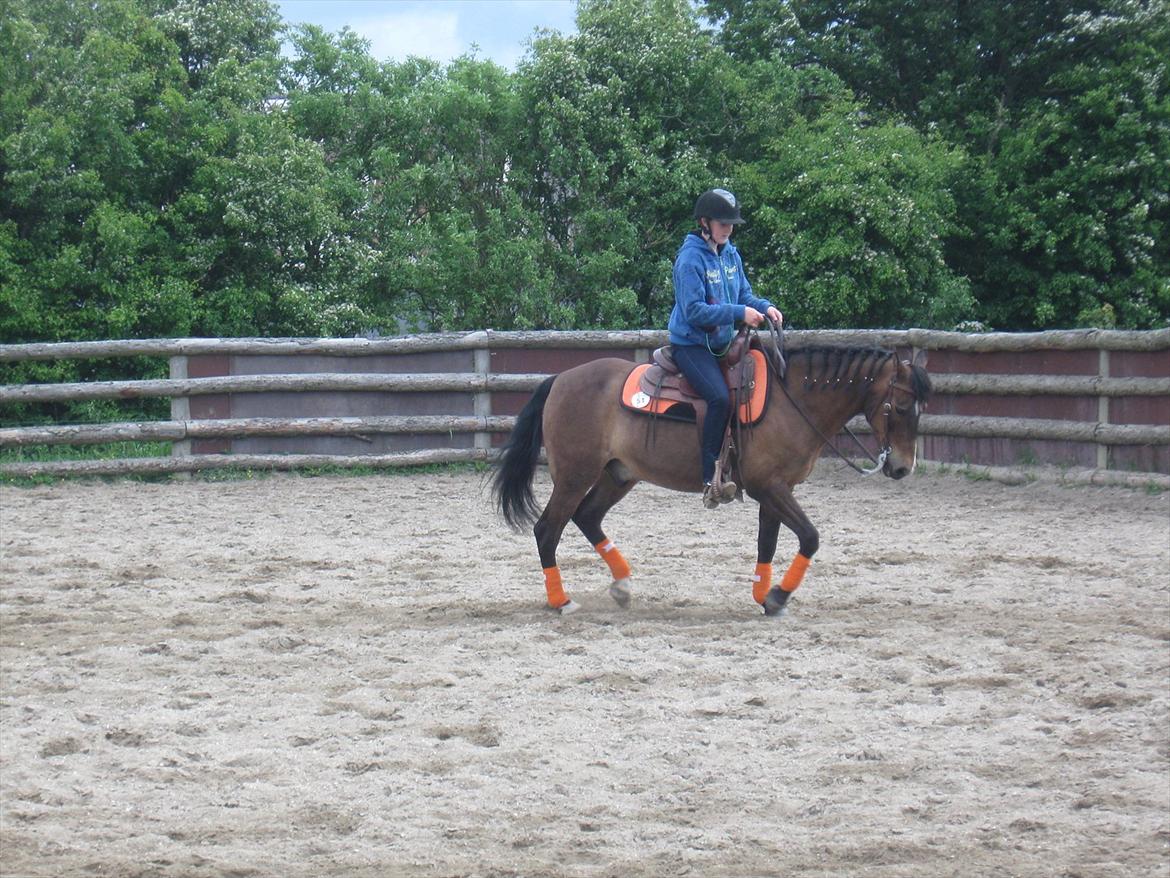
{"x":887,"y":406}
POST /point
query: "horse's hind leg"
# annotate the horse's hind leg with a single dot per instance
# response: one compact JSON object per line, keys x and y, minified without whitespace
{"x":602,"y":497}
{"x":565,"y":499}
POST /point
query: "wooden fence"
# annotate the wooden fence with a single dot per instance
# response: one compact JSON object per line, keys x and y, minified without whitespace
{"x":1094,"y":403}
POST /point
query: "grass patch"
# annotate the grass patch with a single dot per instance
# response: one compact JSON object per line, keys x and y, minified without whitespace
{"x":245,"y":474}
{"x":102,"y":451}
{"x":122,"y":450}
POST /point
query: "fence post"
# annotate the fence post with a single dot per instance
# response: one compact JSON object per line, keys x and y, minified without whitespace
{"x":180,"y":406}
{"x":180,"y":410}
{"x":920,"y":442}
{"x":483,"y":399}
{"x":1103,"y":408}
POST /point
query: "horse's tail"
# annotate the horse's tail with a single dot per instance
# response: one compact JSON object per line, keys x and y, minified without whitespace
{"x":512,"y":485}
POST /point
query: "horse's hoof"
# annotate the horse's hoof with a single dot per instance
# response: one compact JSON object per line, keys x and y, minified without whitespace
{"x":620,"y":592}
{"x":569,"y":606}
{"x":775,"y":602}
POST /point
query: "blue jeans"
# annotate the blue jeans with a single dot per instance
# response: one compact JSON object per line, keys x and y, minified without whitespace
{"x":702,"y":369}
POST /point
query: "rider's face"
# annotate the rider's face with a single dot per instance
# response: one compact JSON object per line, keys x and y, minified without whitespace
{"x":720,"y":232}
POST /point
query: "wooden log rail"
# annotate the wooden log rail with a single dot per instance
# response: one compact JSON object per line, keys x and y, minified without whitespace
{"x":923,"y":339}
{"x":199,"y":462}
{"x":236,"y":428}
{"x":468,"y":382}
{"x":1034,"y":428}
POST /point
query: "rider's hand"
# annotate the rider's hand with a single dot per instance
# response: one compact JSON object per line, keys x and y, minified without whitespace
{"x":774,"y":315}
{"x":751,"y":316}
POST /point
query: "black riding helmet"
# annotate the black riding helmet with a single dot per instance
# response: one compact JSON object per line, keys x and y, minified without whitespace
{"x":718,"y":204}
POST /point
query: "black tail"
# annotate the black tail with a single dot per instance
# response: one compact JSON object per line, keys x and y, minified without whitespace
{"x":512,"y":485}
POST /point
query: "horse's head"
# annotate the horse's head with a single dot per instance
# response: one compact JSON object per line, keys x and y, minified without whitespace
{"x":897,"y":398}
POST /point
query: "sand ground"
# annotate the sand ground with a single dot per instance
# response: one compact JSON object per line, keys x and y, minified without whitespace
{"x":356,"y":676}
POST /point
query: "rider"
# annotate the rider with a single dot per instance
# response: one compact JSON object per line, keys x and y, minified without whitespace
{"x":712,"y":294}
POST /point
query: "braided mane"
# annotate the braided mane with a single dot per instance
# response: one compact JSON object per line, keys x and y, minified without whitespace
{"x":828,"y":368}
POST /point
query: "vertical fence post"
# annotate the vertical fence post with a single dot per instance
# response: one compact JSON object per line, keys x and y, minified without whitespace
{"x":1103,"y":408}
{"x":483,"y":399}
{"x":180,"y":406}
{"x":920,"y":441}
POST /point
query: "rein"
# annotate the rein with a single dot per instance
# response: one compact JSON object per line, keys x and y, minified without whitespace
{"x":779,"y":367}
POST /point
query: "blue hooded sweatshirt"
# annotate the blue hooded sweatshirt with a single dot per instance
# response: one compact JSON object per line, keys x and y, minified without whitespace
{"x":711,"y":292}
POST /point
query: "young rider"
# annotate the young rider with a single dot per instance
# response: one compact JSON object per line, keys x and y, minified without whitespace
{"x":712,"y":294}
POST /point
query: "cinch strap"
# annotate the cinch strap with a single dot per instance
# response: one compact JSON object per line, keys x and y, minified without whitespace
{"x":610,"y":554}
{"x":556,"y":591}
{"x":795,"y":573}
{"x":762,"y":582}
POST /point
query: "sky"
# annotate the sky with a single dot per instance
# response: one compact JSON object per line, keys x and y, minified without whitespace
{"x":438,"y":29}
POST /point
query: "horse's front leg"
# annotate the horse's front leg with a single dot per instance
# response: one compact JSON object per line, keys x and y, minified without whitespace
{"x":778,"y":506}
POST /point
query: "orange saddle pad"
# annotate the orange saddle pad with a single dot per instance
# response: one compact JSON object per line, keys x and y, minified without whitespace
{"x":644,"y":394}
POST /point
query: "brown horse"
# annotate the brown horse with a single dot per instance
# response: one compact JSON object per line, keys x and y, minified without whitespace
{"x":599,"y":450}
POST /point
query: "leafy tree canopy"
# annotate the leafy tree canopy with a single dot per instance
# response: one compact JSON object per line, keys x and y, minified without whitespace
{"x":167,"y":171}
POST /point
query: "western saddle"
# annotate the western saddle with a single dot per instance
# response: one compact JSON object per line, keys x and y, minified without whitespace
{"x":659,"y":389}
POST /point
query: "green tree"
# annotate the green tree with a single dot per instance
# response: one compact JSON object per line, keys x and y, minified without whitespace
{"x":83,"y":250}
{"x":457,"y":240}
{"x":850,"y":221}
{"x":150,"y":185}
{"x":623,"y":118}
{"x":1079,"y":210}
{"x":425,"y":157}
{"x":1062,"y":111}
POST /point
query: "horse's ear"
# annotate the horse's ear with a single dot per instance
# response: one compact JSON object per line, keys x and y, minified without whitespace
{"x":920,"y":359}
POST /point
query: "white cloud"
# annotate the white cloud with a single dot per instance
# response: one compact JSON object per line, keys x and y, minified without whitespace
{"x":426,"y":34}
{"x":439,"y":29}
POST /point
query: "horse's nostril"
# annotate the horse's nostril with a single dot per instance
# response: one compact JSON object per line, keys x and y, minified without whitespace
{"x":900,"y":472}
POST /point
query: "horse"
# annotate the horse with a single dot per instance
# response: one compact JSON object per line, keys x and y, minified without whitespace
{"x":598,"y":450}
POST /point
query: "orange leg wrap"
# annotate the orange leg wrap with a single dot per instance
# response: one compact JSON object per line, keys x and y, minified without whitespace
{"x":556,"y":591}
{"x":762,"y":582}
{"x":610,"y":554}
{"x":795,"y":573}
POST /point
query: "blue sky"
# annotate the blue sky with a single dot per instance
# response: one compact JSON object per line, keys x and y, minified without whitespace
{"x":439,"y":29}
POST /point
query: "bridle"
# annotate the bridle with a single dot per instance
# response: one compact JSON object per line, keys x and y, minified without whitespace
{"x":779,"y":367}
{"x":887,"y":406}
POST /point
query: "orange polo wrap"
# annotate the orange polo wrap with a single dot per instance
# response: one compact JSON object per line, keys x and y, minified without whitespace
{"x":795,"y":573}
{"x":761,"y":582}
{"x":610,"y":554}
{"x":552,"y":584}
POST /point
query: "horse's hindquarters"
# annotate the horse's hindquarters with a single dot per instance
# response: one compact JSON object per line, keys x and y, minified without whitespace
{"x":587,"y":429}
{"x":579,"y":418}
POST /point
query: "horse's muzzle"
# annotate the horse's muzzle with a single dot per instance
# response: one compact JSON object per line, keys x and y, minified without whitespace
{"x":896,"y":470}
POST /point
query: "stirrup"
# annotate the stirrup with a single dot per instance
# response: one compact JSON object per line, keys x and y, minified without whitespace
{"x":714,"y":495}
{"x":710,"y":498}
